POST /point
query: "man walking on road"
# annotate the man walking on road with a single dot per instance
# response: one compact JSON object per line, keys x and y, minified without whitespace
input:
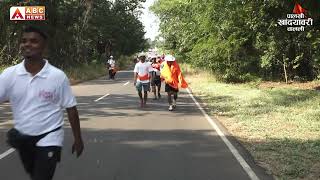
{"x":142,"y":75}
{"x":172,"y":75}
{"x":156,"y":80}
{"x":38,"y":92}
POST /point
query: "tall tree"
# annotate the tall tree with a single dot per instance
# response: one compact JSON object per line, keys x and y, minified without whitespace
{"x":240,"y":39}
{"x":79,"y":31}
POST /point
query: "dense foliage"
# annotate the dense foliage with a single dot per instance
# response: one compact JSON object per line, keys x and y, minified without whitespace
{"x":239,"y":40}
{"x":80,"y":31}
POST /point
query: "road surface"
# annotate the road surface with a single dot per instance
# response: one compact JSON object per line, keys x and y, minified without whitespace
{"x":125,"y":142}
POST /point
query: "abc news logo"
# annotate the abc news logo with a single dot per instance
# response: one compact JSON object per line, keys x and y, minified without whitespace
{"x":28,"y":13}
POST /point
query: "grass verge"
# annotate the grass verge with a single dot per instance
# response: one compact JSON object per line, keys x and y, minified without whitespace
{"x":82,"y":72}
{"x":2,"y":68}
{"x":95,"y":70}
{"x":280,"y":126}
{"x":85,"y":72}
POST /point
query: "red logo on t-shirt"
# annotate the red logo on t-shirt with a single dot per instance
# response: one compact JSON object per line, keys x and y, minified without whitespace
{"x":46,"y":95}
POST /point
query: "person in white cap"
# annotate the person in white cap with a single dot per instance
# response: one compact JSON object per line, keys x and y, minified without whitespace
{"x":142,"y":77}
{"x":171,"y":73}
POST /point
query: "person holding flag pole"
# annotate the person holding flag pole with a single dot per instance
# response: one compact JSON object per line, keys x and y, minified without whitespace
{"x":171,"y":73}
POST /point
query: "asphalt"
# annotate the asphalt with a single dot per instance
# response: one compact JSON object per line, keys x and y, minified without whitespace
{"x":125,"y":142}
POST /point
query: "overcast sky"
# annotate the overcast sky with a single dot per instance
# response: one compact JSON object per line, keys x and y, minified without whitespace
{"x":150,"y":21}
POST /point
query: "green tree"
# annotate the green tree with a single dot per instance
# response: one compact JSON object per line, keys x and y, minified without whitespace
{"x":239,"y":40}
{"x":79,"y":31}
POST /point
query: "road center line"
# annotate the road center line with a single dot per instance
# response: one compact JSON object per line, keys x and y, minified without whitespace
{"x":3,"y":155}
{"x":233,"y":150}
{"x":101,"y":98}
{"x":126,"y":83}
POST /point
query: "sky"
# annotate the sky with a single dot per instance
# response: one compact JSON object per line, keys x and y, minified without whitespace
{"x":150,"y":21}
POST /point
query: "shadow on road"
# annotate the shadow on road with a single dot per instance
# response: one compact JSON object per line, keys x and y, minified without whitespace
{"x":156,"y":155}
{"x":5,"y":113}
{"x":121,"y":105}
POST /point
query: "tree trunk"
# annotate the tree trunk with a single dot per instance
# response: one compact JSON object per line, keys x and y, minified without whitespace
{"x":285,"y":72}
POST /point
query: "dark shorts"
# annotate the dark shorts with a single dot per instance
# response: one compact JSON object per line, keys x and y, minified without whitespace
{"x":168,"y":88}
{"x":156,"y":81}
{"x":145,"y":86}
{"x":40,"y":162}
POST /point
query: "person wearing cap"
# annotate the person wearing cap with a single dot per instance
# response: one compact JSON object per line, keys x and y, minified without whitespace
{"x":142,"y":75}
{"x":111,"y":65}
{"x":171,"y":73}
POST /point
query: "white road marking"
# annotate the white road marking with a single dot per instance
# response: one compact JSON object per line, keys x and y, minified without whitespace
{"x":6,"y":123}
{"x":101,"y":98}
{"x":233,"y":150}
{"x":126,"y":83}
{"x":3,"y":155}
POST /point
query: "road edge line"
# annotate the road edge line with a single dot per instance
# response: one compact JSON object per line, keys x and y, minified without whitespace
{"x":233,"y":150}
{"x":126,"y":83}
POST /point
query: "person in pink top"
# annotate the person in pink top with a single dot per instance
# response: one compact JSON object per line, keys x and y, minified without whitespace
{"x":156,"y":80}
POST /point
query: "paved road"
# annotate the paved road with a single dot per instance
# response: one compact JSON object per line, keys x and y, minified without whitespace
{"x":125,"y":142}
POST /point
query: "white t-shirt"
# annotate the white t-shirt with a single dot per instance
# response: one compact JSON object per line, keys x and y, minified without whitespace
{"x":37,"y":101}
{"x":155,"y":70}
{"x":112,"y":63}
{"x":143,"y":70}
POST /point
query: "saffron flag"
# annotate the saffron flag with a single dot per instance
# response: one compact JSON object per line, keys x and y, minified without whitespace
{"x":173,"y":76}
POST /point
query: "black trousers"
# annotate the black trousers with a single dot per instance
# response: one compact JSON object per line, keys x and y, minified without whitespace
{"x":111,"y":74}
{"x":168,"y":88}
{"x":40,"y":162}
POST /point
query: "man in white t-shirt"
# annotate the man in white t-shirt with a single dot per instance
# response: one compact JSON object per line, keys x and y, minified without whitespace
{"x":142,"y":75}
{"x":38,"y":93}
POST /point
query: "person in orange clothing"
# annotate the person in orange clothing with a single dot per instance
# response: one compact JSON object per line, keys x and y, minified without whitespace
{"x":171,"y":73}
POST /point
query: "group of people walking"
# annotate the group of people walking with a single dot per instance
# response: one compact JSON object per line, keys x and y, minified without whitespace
{"x":39,"y":92}
{"x":152,"y":74}
{"x":149,"y":75}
